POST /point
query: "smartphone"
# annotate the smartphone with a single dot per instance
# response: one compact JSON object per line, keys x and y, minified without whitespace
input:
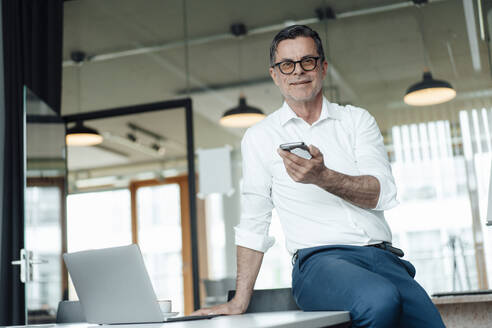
{"x":298,"y":148}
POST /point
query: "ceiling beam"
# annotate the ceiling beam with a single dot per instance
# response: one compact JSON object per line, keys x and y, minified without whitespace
{"x":229,"y":36}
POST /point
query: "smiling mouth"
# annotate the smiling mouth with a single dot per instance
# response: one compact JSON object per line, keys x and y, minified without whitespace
{"x":300,"y":82}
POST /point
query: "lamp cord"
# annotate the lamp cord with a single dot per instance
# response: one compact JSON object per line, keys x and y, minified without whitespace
{"x":327,"y":54}
{"x":79,"y":84}
{"x":420,"y":20}
{"x":240,"y":63}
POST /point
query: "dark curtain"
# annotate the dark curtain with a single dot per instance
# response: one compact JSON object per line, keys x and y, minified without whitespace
{"x":42,"y":36}
{"x":12,"y":225}
{"x":32,"y":46}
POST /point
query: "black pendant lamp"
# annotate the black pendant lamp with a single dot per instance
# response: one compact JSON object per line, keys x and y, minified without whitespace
{"x":241,"y":116}
{"x":82,"y":135}
{"x":429,"y":92}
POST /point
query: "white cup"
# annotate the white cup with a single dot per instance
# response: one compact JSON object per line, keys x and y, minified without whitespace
{"x":165,"y":305}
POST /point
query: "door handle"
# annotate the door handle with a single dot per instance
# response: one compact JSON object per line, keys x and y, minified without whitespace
{"x":22,"y":263}
{"x":37,"y":261}
{"x":26,"y":262}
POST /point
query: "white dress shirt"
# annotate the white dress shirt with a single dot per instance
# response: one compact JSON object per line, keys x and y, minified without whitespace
{"x":351,"y":143}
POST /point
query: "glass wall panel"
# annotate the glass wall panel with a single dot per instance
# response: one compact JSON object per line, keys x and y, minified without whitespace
{"x":44,"y":210}
{"x":43,"y":234}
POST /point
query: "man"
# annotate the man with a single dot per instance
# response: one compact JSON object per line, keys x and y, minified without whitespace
{"x":330,"y":206}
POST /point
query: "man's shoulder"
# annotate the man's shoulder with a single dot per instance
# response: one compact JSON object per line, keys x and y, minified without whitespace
{"x":348,"y":112}
{"x":351,"y":117}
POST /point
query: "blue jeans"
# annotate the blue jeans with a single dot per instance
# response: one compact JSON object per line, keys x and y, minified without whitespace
{"x":376,"y":286}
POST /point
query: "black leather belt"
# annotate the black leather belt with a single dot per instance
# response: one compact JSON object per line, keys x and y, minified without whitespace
{"x":384,"y":245}
{"x":388,"y":247}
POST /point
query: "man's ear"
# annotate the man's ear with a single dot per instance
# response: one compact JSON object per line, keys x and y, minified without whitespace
{"x":324,"y":68}
{"x":273,"y":74}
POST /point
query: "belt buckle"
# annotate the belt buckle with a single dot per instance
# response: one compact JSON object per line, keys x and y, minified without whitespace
{"x":389,"y":247}
{"x":294,"y":257}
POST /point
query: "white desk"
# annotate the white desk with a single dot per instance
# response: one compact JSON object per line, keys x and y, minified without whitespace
{"x":284,"y":319}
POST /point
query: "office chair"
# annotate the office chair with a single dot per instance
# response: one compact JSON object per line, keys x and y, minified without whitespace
{"x":216,"y":290}
{"x":70,"y":311}
{"x":269,"y":300}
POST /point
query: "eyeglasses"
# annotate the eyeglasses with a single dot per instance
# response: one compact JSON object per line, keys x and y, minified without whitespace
{"x":289,"y":66}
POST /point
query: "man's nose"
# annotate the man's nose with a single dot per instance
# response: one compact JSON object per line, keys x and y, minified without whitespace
{"x":298,"y":70}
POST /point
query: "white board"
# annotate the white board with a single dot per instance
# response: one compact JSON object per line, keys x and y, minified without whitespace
{"x":214,"y":171}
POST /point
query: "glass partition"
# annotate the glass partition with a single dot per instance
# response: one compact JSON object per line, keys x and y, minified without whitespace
{"x":134,"y":188}
{"x":45,"y":210}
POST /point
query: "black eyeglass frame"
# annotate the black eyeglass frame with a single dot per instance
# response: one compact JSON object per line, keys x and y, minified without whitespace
{"x":316,"y":58}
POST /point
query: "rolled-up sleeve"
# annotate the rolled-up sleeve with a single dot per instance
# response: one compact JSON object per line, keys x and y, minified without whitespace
{"x":256,"y":202}
{"x":372,"y":158}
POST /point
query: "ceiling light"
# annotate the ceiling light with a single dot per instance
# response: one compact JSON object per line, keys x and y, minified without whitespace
{"x":242,"y":116}
{"x":472,"y":34}
{"x":81,"y":135}
{"x":429,"y":92}
{"x":158,"y":148}
{"x":132,"y":137}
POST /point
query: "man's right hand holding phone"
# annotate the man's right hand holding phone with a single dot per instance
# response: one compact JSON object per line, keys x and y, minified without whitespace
{"x":301,"y":169}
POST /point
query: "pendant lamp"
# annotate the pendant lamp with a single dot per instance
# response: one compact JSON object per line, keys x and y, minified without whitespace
{"x":241,"y":116}
{"x":82,"y":135}
{"x":429,"y":92}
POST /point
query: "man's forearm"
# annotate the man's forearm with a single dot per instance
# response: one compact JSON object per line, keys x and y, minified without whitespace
{"x":248,"y":266}
{"x":362,"y":190}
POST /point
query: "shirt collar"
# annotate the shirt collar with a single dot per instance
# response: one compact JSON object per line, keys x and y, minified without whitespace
{"x":328,"y":110}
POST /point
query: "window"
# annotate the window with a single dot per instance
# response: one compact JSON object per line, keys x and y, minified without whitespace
{"x":433,"y":222}
{"x":215,"y":236}
{"x":159,"y":237}
{"x":152,"y":213}
{"x":276,"y":270}
{"x":98,"y":220}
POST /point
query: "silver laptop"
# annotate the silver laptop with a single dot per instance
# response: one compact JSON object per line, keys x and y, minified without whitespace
{"x":114,"y":287}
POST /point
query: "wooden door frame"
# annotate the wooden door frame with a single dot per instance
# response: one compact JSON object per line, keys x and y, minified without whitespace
{"x":182,"y":181}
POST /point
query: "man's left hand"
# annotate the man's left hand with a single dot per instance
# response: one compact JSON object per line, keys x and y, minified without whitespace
{"x":304,"y":170}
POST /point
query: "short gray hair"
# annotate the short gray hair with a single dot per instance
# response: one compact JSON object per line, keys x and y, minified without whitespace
{"x":293,"y":32}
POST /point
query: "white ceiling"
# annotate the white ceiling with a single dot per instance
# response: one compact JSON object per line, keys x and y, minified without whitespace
{"x":376,"y":56}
